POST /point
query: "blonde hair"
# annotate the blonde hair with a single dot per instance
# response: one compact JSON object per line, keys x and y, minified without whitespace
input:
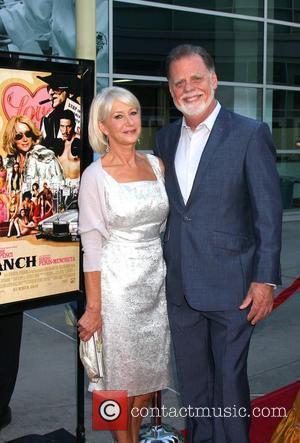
{"x":9,"y":143}
{"x":100,"y":109}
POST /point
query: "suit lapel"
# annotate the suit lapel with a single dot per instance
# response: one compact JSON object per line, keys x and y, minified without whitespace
{"x":217,"y":136}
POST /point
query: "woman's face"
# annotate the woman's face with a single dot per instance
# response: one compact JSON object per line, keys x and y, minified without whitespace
{"x":123,"y":125}
{"x":23,"y":138}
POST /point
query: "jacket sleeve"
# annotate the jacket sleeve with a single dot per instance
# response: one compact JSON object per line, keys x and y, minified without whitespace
{"x":265,"y":197}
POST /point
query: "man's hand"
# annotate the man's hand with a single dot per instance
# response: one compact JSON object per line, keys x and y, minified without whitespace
{"x":261,"y":297}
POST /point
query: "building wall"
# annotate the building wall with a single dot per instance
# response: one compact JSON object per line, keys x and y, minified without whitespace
{"x":255,"y":45}
{"x":256,"y":52}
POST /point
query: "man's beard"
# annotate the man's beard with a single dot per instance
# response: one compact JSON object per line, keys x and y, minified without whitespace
{"x":194,"y":109}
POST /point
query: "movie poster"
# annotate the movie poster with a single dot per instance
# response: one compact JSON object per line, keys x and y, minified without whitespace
{"x":39,"y":182}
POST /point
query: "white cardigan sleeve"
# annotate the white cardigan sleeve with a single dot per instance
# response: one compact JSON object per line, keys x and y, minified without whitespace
{"x":92,"y":216}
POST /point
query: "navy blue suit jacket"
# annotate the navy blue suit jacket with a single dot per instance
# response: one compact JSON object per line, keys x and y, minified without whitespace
{"x":229,"y":232}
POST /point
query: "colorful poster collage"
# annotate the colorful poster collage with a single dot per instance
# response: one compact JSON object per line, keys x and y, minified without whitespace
{"x":39,"y":183}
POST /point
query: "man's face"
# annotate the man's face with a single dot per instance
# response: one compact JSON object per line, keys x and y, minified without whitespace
{"x":66,"y":128}
{"x":57,"y":95}
{"x":192,"y":86}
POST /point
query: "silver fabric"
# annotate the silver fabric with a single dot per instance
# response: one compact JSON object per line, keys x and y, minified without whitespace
{"x":42,"y":165}
{"x":135,"y":330}
{"x":91,"y":357}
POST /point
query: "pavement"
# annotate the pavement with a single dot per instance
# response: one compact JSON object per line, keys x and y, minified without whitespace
{"x":44,"y":399}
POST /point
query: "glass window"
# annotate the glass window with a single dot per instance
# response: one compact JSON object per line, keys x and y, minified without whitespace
{"x":101,"y":82}
{"x":102,"y":35}
{"x":158,"y":108}
{"x":287,"y":10}
{"x":38,"y":27}
{"x":143,"y":36}
{"x":244,"y":101}
{"x":246,"y":7}
{"x":283,"y":55}
{"x":284,"y":111}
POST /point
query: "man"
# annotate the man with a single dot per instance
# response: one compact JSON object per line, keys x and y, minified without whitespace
{"x":60,"y":87}
{"x":10,"y":338}
{"x":67,"y":159}
{"x":222,"y":245}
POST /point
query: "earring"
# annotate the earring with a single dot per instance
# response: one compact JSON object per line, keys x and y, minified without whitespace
{"x":107,"y":149}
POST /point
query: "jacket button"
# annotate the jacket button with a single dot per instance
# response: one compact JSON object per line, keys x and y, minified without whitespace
{"x":187,"y":219}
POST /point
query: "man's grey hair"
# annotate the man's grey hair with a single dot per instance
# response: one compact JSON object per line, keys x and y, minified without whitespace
{"x":186,"y":50}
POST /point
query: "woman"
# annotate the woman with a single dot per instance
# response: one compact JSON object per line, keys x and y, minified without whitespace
{"x":13,"y":207}
{"x":45,"y":199}
{"x":15,"y":178}
{"x":26,"y":226}
{"x":36,"y":201}
{"x":35,"y":192}
{"x":37,"y":163}
{"x":3,"y":192}
{"x":123,"y":206}
{"x":28,"y":205}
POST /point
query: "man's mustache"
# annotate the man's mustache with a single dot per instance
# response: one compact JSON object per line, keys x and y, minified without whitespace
{"x":188,"y":95}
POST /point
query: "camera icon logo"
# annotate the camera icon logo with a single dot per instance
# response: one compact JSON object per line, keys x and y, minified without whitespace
{"x":110,"y":410}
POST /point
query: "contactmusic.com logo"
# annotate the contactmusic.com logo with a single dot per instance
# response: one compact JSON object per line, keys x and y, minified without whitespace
{"x":110,"y":410}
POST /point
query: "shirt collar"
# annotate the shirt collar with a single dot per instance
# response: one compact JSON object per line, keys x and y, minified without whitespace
{"x":208,"y":122}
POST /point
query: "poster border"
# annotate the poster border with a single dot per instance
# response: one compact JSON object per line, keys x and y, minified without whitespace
{"x":86,"y":69}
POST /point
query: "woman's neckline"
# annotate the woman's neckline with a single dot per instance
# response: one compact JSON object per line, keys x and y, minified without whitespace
{"x":132,"y":181}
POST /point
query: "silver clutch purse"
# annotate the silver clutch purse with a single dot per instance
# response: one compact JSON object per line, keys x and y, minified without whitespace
{"x":91,"y":357}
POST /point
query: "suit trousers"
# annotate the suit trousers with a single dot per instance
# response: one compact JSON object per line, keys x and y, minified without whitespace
{"x":211,"y":349}
{"x":10,"y":341}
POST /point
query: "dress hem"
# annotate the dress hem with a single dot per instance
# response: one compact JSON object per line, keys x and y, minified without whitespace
{"x":93,"y":387}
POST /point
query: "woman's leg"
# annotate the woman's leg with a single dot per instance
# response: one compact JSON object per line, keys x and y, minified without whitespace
{"x":9,"y":228}
{"x":17,"y":228}
{"x":135,"y":404}
{"x":140,"y":401}
{"x":4,"y":200}
{"x":126,"y":436}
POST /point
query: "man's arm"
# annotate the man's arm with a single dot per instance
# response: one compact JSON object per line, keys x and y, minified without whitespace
{"x":265,"y":196}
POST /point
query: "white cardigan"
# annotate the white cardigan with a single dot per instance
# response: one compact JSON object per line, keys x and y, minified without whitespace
{"x":92,"y":215}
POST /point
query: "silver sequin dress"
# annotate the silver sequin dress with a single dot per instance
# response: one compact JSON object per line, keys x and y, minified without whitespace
{"x":135,"y":330}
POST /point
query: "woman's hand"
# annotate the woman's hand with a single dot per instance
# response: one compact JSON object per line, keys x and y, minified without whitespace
{"x":89,"y":323}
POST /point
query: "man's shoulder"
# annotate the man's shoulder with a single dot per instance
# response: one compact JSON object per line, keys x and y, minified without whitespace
{"x":241,"y":120}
